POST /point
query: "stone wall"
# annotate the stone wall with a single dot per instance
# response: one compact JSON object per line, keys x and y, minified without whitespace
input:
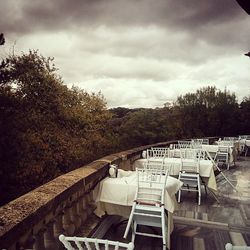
{"x":63,"y":205}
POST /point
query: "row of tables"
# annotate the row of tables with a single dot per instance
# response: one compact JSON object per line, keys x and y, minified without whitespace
{"x":115,"y":196}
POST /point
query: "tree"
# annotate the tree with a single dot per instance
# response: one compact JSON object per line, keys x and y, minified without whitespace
{"x":47,"y":129}
{"x":2,"y":40}
{"x":244,"y":117}
{"x":208,"y":112}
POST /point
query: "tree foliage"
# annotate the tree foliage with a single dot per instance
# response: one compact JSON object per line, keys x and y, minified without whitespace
{"x":46,"y":128}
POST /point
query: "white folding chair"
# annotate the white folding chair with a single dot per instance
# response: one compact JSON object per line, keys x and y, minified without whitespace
{"x":243,"y":146}
{"x":148,"y":207}
{"x":205,"y":141}
{"x":222,"y":155}
{"x":228,"y":138}
{"x":156,"y":164}
{"x":174,"y":146}
{"x":72,"y":243}
{"x":243,"y":136}
{"x":229,"y":246}
{"x":197,"y":143}
{"x":185,"y":144}
{"x":159,"y":152}
{"x":226,"y":143}
{"x":149,"y":153}
{"x":189,"y":175}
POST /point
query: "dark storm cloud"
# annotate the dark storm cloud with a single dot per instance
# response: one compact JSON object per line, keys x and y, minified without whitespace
{"x":24,"y":16}
{"x":216,"y":22}
{"x":117,"y":45}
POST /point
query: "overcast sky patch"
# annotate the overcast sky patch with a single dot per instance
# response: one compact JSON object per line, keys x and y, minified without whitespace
{"x":137,"y":53}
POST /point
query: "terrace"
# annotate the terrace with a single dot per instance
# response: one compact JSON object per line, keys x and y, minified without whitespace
{"x":67,"y":204}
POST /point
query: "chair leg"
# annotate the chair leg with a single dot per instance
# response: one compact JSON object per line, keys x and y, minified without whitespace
{"x":205,"y":186}
{"x":199,"y":191}
{"x":163,"y":226}
{"x":129,"y":222}
{"x":179,"y":195}
{"x":134,"y":231}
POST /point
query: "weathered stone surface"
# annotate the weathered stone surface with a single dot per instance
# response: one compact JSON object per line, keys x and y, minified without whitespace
{"x":21,"y":215}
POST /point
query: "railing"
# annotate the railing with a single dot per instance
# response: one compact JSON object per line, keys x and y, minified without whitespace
{"x":63,"y":205}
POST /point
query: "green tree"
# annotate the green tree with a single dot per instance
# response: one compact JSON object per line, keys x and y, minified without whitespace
{"x":208,"y":112}
{"x":244,"y":116}
{"x":47,"y":129}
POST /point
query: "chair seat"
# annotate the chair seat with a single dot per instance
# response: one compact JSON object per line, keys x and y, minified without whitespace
{"x":195,"y":175}
{"x":189,"y":174}
{"x":147,"y":207}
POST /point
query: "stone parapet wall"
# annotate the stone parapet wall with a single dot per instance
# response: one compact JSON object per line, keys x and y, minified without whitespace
{"x":36,"y":219}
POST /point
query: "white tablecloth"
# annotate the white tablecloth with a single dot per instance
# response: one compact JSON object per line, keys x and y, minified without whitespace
{"x":121,"y":191}
{"x":213,"y":149}
{"x":116,"y":196}
{"x":174,"y":166}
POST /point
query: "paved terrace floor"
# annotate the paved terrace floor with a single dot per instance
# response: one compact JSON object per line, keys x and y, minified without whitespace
{"x":212,"y":224}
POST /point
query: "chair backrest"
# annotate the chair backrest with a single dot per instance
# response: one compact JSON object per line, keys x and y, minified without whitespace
{"x":226,"y":143}
{"x":188,"y":153}
{"x":174,"y":146}
{"x":174,"y":153}
{"x":190,"y":162}
{"x":185,"y":144}
{"x":197,"y":143}
{"x":229,"y":246}
{"x":223,"y":149}
{"x":228,"y":138}
{"x":205,"y":141}
{"x":151,"y":185}
{"x":156,"y":164}
{"x":197,"y":140}
{"x":244,"y":136}
{"x":149,"y":153}
{"x":72,"y":243}
{"x":159,"y":152}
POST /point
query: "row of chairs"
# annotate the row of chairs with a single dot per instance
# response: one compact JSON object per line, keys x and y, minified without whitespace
{"x":72,"y":243}
{"x":226,"y":143}
{"x":189,"y":170}
{"x":148,"y":209}
{"x":92,"y":243}
{"x":243,"y":146}
{"x":236,"y":138}
{"x":244,"y":137}
{"x":174,"y":153}
{"x":222,"y":156}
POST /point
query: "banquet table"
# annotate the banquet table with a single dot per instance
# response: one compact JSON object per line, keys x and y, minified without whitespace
{"x":116,"y":195}
{"x":213,"y":149}
{"x":174,"y":165}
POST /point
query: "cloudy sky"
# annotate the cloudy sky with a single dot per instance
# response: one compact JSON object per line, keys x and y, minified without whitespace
{"x":138,"y":53}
